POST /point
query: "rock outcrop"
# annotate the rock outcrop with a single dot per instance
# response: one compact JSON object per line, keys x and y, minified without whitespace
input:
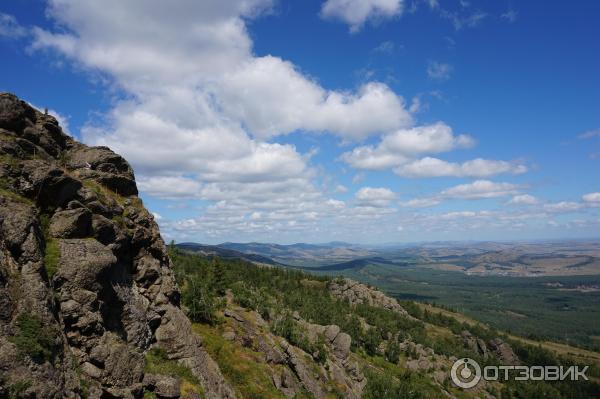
{"x":357,"y":293}
{"x":86,"y":286}
{"x":292,"y":367}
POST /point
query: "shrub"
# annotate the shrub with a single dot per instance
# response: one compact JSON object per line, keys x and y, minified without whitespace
{"x":392,"y":352}
{"x":33,"y":338}
{"x":199,"y":301}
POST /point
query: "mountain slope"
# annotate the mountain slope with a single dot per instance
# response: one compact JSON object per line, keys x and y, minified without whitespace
{"x":274,"y":333}
{"x":88,"y":300}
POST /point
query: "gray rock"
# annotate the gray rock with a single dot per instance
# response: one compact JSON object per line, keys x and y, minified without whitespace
{"x":114,"y":293}
{"x":162,"y":385}
{"x":331,"y":332}
{"x":103,"y":229}
{"x":356,"y":293}
{"x":341,"y":345}
{"x":504,"y":352}
{"x":83,"y":262}
{"x":72,"y":223}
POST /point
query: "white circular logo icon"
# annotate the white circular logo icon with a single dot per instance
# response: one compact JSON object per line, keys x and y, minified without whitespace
{"x":465,"y":373}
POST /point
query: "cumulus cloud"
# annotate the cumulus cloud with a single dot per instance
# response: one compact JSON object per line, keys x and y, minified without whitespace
{"x":356,"y":12}
{"x":290,"y":101}
{"x":592,"y":198}
{"x":169,"y":187}
{"x":480,"y":189}
{"x":477,"y":190}
{"x":190,"y":121}
{"x":563,"y":207}
{"x":378,"y":197}
{"x":402,"y":145}
{"x":421,"y":202}
{"x":524,"y":199}
{"x":439,"y":70}
{"x":402,"y":149}
{"x":433,"y":167}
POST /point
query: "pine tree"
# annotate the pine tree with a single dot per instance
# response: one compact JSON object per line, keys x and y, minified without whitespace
{"x":218,"y":277}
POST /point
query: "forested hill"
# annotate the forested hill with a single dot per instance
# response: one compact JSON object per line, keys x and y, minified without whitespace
{"x":279,"y":333}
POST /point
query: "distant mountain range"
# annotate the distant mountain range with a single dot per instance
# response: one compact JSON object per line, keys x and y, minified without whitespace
{"x":295,"y":255}
{"x":526,"y":258}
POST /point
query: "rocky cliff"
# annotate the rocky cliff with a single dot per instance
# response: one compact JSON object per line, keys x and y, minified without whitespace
{"x":86,"y":286}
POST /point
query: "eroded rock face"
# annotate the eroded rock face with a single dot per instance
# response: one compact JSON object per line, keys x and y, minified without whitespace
{"x":357,"y":293}
{"x":292,"y":367}
{"x":81,"y":257}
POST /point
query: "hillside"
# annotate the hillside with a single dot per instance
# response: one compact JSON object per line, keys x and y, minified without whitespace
{"x":267,"y":326}
{"x":94,"y":305}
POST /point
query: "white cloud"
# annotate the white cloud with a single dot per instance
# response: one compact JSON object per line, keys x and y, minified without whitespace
{"x":169,"y":186}
{"x":401,"y":149}
{"x":563,"y":207}
{"x":9,"y":27}
{"x":402,"y":145}
{"x":378,"y":197}
{"x":204,"y":48}
{"x":433,"y":167}
{"x":439,"y":71}
{"x":524,"y":199}
{"x":200,"y":109}
{"x":289,"y":101}
{"x":592,"y":198}
{"x":421,"y":202}
{"x":356,"y":12}
{"x":465,"y":214}
{"x":477,"y":190}
{"x":480,"y":189}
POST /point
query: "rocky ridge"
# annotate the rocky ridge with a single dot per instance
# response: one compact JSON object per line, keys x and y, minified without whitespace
{"x":357,"y":293}
{"x":86,"y":286}
{"x":293,"y":368}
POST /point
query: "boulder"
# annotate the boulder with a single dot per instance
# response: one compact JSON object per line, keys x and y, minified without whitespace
{"x":504,"y":352}
{"x":162,"y":385}
{"x":72,"y":223}
{"x":341,"y":345}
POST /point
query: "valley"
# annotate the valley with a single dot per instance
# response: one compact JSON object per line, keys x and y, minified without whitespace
{"x":543,"y":290}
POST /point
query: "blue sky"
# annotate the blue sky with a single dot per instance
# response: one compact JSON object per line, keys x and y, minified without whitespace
{"x":366,"y":121}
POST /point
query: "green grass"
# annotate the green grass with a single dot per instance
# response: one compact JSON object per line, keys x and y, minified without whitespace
{"x":33,"y":339}
{"x":157,"y":362}
{"x":104,"y":194}
{"x":51,"y":257}
{"x":17,"y":389}
{"x":242,"y":367}
{"x":6,"y":191}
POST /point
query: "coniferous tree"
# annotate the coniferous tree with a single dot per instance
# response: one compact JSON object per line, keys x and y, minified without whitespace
{"x":219,"y":284}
